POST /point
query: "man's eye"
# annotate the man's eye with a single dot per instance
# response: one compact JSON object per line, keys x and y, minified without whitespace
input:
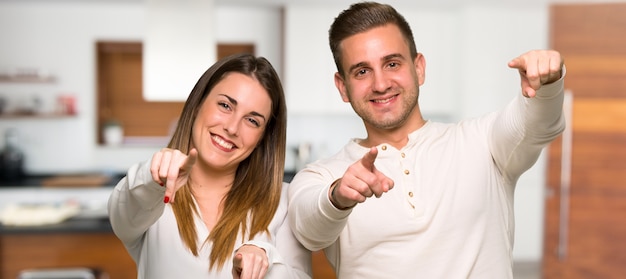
{"x":393,"y":65}
{"x":361,"y":72}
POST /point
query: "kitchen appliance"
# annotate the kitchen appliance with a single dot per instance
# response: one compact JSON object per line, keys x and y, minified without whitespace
{"x":11,"y":158}
{"x":303,"y":155}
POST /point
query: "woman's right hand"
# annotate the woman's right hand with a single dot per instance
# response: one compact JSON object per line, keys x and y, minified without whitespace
{"x":170,"y":168}
{"x":250,"y":262}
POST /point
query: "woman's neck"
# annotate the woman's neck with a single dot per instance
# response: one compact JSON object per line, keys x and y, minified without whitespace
{"x":209,"y":190}
{"x":205,"y":182}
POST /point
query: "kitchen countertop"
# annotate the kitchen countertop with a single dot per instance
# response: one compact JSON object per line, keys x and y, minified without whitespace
{"x":93,"y":216}
{"x":72,"y":225}
{"x":93,"y":199}
{"x":42,"y":179}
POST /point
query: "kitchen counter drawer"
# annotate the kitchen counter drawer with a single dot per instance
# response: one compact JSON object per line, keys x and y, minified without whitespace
{"x":101,"y":251}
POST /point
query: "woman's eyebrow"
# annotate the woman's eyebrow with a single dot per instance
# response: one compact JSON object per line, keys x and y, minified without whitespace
{"x":234,"y":102}
{"x":230,"y":99}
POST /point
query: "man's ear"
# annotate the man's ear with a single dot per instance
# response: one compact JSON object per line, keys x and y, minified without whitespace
{"x":420,"y":68}
{"x":341,"y":86}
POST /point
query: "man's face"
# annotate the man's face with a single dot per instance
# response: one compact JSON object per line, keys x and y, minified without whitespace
{"x":381,"y":79}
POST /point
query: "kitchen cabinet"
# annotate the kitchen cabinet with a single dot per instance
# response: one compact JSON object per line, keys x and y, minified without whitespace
{"x":86,"y":240}
{"x":321,"y":267}
{"x":83,"y":243}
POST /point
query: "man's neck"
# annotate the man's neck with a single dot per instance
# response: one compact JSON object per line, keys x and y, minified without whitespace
{"x":397,"y":137}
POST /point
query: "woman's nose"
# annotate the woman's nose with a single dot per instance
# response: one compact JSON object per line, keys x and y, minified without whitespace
{"x":231,"y":127}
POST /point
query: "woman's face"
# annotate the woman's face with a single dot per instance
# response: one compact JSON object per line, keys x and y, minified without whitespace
{"x":231,"y":122}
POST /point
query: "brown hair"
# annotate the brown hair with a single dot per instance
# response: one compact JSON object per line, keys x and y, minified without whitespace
{"x":361,"y":17}
{"x":255,"y":192}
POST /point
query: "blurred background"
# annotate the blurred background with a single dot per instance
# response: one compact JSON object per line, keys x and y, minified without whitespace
{"x":89,"y":87}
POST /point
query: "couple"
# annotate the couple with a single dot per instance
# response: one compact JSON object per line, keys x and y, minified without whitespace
{"x":213,"y":205}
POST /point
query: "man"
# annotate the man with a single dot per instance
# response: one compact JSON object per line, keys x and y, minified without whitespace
{"x":415,"y":198}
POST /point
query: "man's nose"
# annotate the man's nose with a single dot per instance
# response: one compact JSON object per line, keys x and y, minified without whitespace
{"x":380,"y":83}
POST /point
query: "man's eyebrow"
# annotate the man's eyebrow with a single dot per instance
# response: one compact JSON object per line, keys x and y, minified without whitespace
{"x":357,"y":65}
{"x":393,"y":56}
{"x":385,"y":58}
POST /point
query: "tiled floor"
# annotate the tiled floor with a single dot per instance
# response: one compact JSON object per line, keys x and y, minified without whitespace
{"x":527,"y":270}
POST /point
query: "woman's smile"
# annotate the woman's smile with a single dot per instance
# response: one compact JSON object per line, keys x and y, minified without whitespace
{"x":222,"y":143}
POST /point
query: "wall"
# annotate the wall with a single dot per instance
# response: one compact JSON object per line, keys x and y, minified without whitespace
{"x":491,"y":37}
{"x":60,"y":38}
{"x":466,"y":48}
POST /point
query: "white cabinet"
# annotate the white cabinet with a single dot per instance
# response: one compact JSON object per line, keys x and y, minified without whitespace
{"x":309,"y":66}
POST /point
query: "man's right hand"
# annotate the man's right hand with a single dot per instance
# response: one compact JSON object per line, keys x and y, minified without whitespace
{"x":361,"y":181}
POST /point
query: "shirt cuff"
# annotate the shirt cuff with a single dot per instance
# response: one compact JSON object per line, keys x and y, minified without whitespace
{"x":328,"y":209}
{"x":547,"y":91}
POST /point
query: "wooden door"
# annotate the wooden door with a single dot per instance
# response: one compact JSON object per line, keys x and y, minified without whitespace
{"x":585,"y":225}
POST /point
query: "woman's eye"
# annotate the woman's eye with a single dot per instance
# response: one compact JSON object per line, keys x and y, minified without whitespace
{"x":223,"y":105}
{"x":254,"y":122}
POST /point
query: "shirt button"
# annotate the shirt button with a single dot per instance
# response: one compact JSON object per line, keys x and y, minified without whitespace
{"x":411,"y":194}
{"x":402,"y":154}
{"x":384,"y":147}
{"x":406,"y":171}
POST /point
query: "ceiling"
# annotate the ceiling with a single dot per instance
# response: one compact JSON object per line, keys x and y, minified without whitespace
{"x":411,"y":3}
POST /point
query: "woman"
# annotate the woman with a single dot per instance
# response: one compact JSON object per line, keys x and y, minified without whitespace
{"x":209,"y":205}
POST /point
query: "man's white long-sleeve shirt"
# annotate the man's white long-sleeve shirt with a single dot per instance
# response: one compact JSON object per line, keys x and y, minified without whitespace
{"x":450,"y":213}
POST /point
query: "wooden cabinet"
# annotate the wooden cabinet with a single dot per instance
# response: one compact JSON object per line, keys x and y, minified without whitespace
{"x":321,"y":267}
{"x":101,"y":251}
